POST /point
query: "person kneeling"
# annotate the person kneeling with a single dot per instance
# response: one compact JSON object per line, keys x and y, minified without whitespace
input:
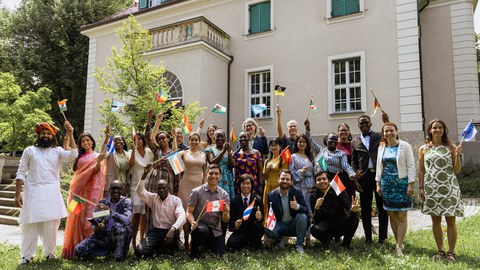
{"x":168,"y":216}
{"x":290,"y":211}
{"x":334,"y":216}
{"x":246,"y":222}
{"x":112,"y":232}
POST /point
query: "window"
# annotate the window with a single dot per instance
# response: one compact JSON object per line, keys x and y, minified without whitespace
{"x":347,"y":83}
{"x":344,"y":7}
{"x":260,"y":92}
{"x":173,"y":85}
{"x":260,"y":17}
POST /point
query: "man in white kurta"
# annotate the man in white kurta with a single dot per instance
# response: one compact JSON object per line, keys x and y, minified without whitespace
{"x":42,"y":204}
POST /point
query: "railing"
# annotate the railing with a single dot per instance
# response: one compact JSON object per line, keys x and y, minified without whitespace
{"x":192,"y":30}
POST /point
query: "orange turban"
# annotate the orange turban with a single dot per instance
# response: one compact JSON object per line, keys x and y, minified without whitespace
{"x":49,"y":127}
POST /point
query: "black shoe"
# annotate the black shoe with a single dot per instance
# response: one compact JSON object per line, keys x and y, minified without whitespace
{"x":382,"y":241}
{"x":368,"y":241}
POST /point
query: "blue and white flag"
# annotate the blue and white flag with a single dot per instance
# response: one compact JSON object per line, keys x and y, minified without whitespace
{"x":116,"y":105}
{"x":110,"y":146}
{"x":469,"y":132}
{"x":259,"y":108}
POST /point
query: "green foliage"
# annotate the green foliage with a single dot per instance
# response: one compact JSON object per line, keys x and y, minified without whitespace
{"x":20,"y":113}
{"x":44,"y":48}
{"x":469,"y":180}
{"x":419,"y":249}
{"x":130,"y":77}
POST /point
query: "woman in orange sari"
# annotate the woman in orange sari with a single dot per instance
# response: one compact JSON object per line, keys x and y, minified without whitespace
{"x":88,"y":182}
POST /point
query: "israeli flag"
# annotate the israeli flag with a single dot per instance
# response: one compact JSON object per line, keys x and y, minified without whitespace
{"x":258,"y":108}
{"x":469,"y":132}
{"x":110,"y":146}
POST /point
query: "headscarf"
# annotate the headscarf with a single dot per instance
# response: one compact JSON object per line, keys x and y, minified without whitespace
{"x":49,"y":127}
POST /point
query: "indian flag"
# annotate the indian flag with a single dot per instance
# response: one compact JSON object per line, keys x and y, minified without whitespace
{"x":185,"y":125}
{"x":376,"y":106}
{"x":337,"y":185}
{"x":215,"y":206}
{"x":75,"y":205}
{"x":176,"y":163}
{"x":219,"y":109}
{"x":63,"y":105}
{"x":313,"y":106}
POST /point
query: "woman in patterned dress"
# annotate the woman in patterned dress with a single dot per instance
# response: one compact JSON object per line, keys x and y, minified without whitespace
{"x":221,"y":154}
{"x":440,"y":162}
{"x":248,"y":160}
{"x":395,"y":178}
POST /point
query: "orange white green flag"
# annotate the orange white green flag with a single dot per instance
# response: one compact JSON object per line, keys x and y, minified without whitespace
{"x":185,"y":125}
{"x":63,"y":105}
{"x":176,"y":163}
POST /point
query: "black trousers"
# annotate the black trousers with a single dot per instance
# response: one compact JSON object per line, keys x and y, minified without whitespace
{"x":154,"y":244}
{"x":369,"y":187}
{"x":328,"y":228}
{"x":203,"y":236}
{"x":349,"y":184}
{"x":251,"y":234}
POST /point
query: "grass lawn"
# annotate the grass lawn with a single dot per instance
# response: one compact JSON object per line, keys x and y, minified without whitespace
{"x":419,"y":248}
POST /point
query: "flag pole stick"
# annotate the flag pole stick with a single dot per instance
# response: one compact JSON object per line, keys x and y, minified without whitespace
{"x":64,"y":117}
{"x":201,"y":214}
{"x":207,"y":115}
{"x":88,"y":201}
{"x":463,"y":137}
{"x":326,"y":191}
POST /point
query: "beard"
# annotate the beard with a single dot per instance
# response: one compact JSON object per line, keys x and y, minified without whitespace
{"x":45,"y":143}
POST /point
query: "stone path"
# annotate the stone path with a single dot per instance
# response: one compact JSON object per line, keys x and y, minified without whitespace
{"x":417,"y":221}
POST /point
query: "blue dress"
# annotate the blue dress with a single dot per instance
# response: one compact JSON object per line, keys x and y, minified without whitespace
{"x":394,"y":190}
{"x":226,"y":182}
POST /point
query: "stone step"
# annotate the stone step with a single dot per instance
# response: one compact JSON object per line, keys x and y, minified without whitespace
{"x":8,"y":220}
{"x":8,"y":187}
{"x":9,"y":211}
{"x":9,"y":180}
{"x":7,"y":202}
{"x":7,"y":194}
{"x":9,"y":172}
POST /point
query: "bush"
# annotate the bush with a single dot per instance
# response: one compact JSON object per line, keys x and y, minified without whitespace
{"x":469,"y":180}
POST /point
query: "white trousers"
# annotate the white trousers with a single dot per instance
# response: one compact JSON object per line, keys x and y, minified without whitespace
{"x":47,"y":231}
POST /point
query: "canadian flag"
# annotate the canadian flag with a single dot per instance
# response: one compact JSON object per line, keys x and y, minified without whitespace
{"x":271,"y":219}
{"x":215,"y":206}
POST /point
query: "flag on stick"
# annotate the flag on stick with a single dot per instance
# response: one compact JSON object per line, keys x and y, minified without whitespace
{"x":312,"y":105}
{"x":248,"y":210}
{"x":110,"y":146}
{"x":286,"y":155}
{"x":176,"y":163}
{"x":116,"y":105}
{"x":322,"y":163}
{"x":161,"y":95}
{"x":279,"y":90}
{"x":469,"y":132}
{"x":376,"y":106}
{"x":215,"y":206}
{"x":259,"y":108}
{"x":75,"y":205}
{"x":232,"y":135}
{"x":185,"y":125}
{"x":219,"y":109}
{"x":337,"y":185}
{"x":271,"y":219}
{"x":63,"y":105}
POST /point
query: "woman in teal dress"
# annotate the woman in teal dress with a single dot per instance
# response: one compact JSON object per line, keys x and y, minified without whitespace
{"x":221,"y":154}
{"x":439,"y":163}
{"x":395,"y":178}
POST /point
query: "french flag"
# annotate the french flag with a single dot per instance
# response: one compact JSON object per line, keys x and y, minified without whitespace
{"x":248,"y":210}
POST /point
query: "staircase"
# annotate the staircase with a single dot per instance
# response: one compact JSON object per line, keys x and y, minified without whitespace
{"x":8,"y":211}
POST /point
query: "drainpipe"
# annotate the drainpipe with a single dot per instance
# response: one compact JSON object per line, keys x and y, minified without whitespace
{"x":420,"y":63}
{"x":228,"y":95}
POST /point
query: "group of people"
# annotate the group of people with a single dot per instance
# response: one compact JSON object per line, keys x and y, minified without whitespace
{"x":254,"y":192}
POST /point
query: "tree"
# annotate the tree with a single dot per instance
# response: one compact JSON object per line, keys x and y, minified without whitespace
{"x":47,"y":49}
{"x":20,"y":113}
{"x":130,"y":77}
{"x":5,"y":30}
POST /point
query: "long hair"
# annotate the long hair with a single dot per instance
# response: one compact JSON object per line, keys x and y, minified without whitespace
{"x":388,"y":124}
{"x":209,"y":140}
{"x":348,"y":127}
{"x":445,"y":139}
{"x":270,"y":153}
{"x":196,"y":134}
{"x":81,"y":150}
{"x":308,"y":152}
{"x":142,"y":137}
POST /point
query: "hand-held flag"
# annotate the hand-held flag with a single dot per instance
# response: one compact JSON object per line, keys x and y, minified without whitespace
{"x":233,"y":138}
{"x":116,"y":105}
{"x":271,"y":219}
{"x":185,"y":125}
{"x":286,"y":155}
{"x":161,"y":95}
{"x":322,"y":163}
{"x":176,"y":163}
{"x":259,"y":108}
{"x":312,"y":105}
{"x":337,"y":185}
{"x":215,"y":206}
{"x":110,"y":146}
{"x":219,"y":109}
{"x":63,"y":105}
{"x":469,"y":132}
{"x":248,"y":211}
{"x":75,"y":205}
{"x":376,"y":106}
{"x":279,"y":90}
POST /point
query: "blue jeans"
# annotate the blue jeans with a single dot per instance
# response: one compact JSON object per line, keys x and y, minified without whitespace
{"x":296,"y":227}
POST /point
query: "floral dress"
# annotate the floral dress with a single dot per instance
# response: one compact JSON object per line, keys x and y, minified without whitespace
{"x":226,"y":182}
{"x":247,"y":163}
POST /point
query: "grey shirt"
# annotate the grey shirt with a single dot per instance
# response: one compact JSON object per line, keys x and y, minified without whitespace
{"x":286,"y":208}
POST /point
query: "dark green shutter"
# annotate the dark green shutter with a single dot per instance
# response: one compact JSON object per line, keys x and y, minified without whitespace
{"x":143,"y":4}
{"x":344,"y":7}
{"x":259,"y":17}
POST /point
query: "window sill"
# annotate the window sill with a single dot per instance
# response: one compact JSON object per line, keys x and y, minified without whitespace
{"x":343,"y":18}
{"x":264,"y":120}
{"x":345,"y":115}
{"x":259,"y":35}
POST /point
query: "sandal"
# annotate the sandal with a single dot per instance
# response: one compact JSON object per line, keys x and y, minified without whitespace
{"x":450,"y":257}
{"x":440,"y":255}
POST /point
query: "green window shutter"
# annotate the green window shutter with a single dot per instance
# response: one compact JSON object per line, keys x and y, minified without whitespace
{"x":259,"y":17}
{"x":352,"y":6}
{"x":338,"y":8}
{"x":142,"y":4}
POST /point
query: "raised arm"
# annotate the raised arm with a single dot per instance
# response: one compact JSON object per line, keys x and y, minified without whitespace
{"x":279,"y":121}
{"x":158,"y":120}
{"x":69,"y":128}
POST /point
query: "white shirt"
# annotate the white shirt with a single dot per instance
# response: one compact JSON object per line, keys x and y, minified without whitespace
{"x":40,"y":170}
{"x":366,"y":142}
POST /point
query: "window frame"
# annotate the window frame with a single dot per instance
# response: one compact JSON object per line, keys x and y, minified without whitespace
{"x":331,"y":82}
{"x":249,"y":96}
{"x":346,"y":17}
{"x":247,"y":19}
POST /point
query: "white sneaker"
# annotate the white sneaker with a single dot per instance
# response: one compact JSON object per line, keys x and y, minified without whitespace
{"x":24,"y":261}
{"x":50,"y":256}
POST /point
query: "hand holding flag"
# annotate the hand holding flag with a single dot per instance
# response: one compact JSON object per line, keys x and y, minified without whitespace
{"x":248,"y":210}
{"x":271,"y":219}
{"x":63,"y":107}
{"x":469,"y":132}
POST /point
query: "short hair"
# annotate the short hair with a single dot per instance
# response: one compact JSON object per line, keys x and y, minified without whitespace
{"x":246,"y":177}
{"x":320,"y":173}
{"x":215,"y":166}
{"x":285,"y":171}
{"x":364,"y":116}
{"x":326,"y":137}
